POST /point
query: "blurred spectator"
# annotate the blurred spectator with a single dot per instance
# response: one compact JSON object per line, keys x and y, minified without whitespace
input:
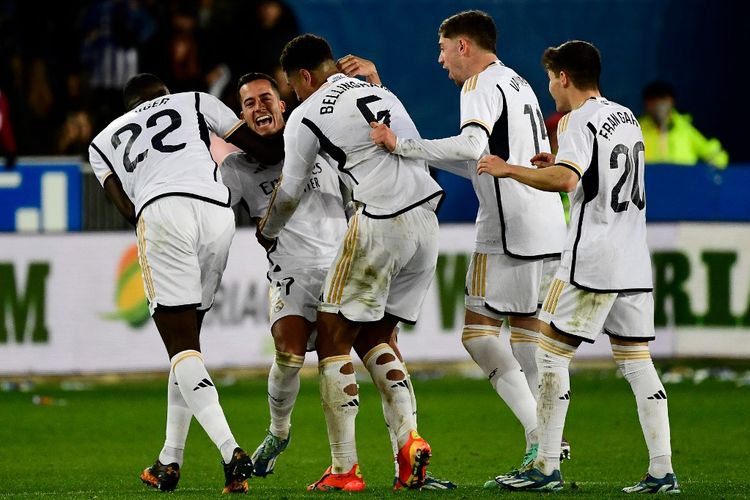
{"x":7,"y":140}
{"x":670,"y":137}
{"x":112,"y":31}
{"x":76,"y":134}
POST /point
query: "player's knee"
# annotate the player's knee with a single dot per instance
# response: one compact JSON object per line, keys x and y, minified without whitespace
{"x":395,"y":375}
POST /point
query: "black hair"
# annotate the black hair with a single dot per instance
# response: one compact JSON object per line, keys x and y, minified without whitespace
{"x":306,"y":51}
{"x":253,"y":76}
{"x":657,"y":90}
{"x":580,"y":60}
{"x":141,"y":88}
{"x":474,"y":24}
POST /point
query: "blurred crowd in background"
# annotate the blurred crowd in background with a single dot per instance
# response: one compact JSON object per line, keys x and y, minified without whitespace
{"x":58,"y":89}
{"x":62,"y":70}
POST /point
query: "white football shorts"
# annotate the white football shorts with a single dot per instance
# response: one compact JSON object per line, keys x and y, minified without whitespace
{"x":584,"y":314}
{"x":383,"y":266}
{"x":498,"y":285}
{"x":183,"y":244}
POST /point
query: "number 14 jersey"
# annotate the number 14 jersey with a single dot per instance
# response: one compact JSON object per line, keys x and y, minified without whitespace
{"x":606,"y":247}
{"x":161,"y":148}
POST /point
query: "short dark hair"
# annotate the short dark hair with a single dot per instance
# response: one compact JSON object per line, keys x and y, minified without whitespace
{"x":474,"y":24}
{"x":657,"y":90}
{"x":253,"y":76}
{"x":306,"y":51}
{"x":141,"y":88}
{"x":580,"y":60}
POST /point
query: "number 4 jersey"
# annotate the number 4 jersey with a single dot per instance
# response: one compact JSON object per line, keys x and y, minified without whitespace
{"x":161,"y":148}
{"x":606,"y":247}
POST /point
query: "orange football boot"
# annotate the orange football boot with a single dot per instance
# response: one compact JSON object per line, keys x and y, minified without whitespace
{"x":413,"y":458}
{"x":350,"y":481}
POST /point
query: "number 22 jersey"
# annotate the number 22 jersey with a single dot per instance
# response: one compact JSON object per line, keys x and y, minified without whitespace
{"x":606,"y":247}
{"x":161,"y":148}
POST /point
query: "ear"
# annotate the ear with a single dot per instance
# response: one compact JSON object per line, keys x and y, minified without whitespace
{"x":242,"y":115}
{"x":282,"y":105}
{"x":463,"y":45}
{"x":306,"y":76}
{"x":564,"y":80}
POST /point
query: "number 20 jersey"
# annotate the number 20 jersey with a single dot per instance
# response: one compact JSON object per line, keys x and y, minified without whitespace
{"x":606,"y":247}
{"x":161,"y":148}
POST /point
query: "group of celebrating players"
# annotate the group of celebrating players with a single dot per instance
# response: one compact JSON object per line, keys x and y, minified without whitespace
{"x":345,"y":208}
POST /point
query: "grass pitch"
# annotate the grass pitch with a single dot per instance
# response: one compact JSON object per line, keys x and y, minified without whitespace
{"x":96,"y":444}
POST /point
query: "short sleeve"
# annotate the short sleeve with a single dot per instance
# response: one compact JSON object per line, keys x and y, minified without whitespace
{"x":100,"y":164}
{"x":219,"y":118}
{"x":575,"y":146}
{"x":231,"y":179}
{"x":480,"y":104}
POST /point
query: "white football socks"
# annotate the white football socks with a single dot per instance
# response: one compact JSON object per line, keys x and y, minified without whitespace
{"x":178,"y":424}
{"x":283,"y":387}
{"x":202,"y":398}
{"x":524,"y":342}
{"x":504,"y":373}
{"x":389,"y":376}
{"x":553,"y":361}
{"x":638,"y":369}
{"x":340,"y":397}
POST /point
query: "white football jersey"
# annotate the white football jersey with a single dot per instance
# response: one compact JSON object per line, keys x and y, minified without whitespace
{"x":335,"y":123}
{"x":161,"y":148}
{"x":312,"y":236}
{"x":606,"y":247}
{"x":513,"y":218}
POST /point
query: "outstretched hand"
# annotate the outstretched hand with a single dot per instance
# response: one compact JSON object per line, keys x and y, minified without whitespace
{"x":382,"y":135}
{"x":493,"y":165}
{"x":543,"y":160}
{"x":352,"y":66}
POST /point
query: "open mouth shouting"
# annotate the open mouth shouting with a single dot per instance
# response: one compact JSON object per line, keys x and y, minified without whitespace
{"x":264,"y":122}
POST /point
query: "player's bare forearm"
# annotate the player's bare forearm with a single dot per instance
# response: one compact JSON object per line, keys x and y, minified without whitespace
{"x":268,"y":149}
{"x":116,"y":194}
{"x":553,"y":178}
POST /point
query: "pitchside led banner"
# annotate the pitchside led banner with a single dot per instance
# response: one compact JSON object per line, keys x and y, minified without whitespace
{"x":74,"y":303}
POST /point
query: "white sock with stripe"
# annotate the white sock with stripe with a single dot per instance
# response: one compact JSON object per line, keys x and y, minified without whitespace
{"x":504,"y":373}
{"x":389,"y":376}
{"x":553,"y":360}
{"x":340,"y":397}
{"x":201,"y":396}
{"x":283,"y":387}
{"x":638,"y":369}
{"x":524,"y":342}
{"x":178,"y":424}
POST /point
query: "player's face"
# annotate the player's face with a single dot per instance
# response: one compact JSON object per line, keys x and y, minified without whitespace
{"x":262,"y":109}
{"x":557,"y":91}
{"x":450,"y":59}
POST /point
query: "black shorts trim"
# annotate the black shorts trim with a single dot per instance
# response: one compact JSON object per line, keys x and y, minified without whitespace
{"x":614,"y":290}
{"x":509,"y":313}
{"x":440,"y":193}
{"x":629,"y":339}
{"x":533,"y":257}
{"x":180,"y":308}
{"x":402,"y":320}
{"x":187,"y":195}
{"x":570,"y":335}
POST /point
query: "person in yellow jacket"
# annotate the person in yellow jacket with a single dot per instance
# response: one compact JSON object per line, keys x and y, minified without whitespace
{"x":670,"y":137}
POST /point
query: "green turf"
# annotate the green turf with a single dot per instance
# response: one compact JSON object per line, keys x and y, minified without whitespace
{"x":96,"y":444}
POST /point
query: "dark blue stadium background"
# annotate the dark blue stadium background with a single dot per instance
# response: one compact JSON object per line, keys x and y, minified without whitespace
{"x":691,"y":43}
